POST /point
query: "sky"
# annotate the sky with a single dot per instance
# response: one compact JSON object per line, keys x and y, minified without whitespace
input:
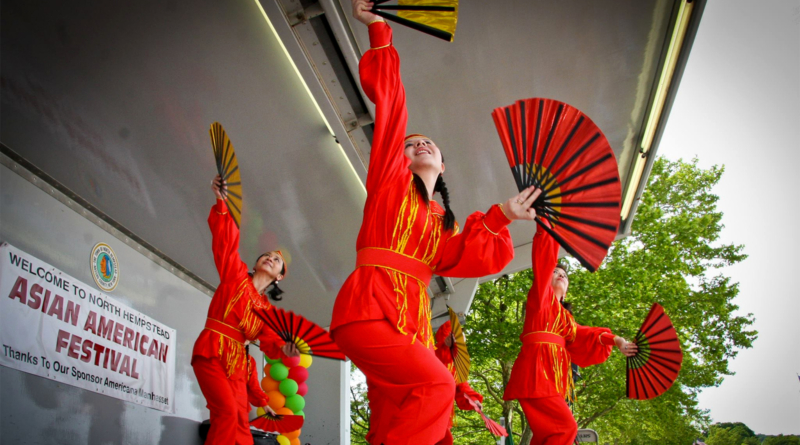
{"x":738,"y":105}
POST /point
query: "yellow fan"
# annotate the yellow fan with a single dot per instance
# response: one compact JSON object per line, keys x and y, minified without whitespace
{"x":459,"y":348}
{"x":228,"y":169}
{"x":435,"y":17}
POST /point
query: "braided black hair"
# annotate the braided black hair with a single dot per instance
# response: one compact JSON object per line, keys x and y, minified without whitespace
{"x":449,"y":216}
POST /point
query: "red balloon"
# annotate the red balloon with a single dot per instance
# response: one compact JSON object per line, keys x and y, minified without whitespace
{"x":291,"y":362}
{"x":302,"y":389}
{"x":299,"y":374}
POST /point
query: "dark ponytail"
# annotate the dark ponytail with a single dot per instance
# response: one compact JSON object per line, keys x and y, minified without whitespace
{"x":449,"y":216}
{"x":275,"y":292}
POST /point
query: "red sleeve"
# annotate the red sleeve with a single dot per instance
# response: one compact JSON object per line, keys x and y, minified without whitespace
{"x":544,"y":257}
{"x":270,"y":344}
{"x":590,"y":346}
{"x":443,"y":353}
{"x":255,"y":395}
{"x":379,"y":70}
{"x":225,"y":243}
{"x":483,"y":248}
{"x":463,"y":393}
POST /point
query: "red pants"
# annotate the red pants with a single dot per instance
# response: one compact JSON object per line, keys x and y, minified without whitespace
{"x":551,"y":420}
{"x":410,"y":391}
{"x":227,"y":401}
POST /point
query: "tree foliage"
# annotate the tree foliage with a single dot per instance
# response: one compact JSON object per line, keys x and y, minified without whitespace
{"x":737,"y":433}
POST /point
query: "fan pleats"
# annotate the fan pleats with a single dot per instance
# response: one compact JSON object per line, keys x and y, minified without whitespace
{"x":654,"y":369}
{"x":558,"y":149}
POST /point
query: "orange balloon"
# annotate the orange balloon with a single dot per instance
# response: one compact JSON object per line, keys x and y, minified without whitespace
{"x":284,"y":411}
{"x":267,"y":368}
{"x":292,"y":435}
{"x":269,"y":384}
{"x":295,"y":441}
{"x":276,"y":400}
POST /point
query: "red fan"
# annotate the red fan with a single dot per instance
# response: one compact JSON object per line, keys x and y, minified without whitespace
{"x":491,"y":425}
{"x":308,"y":336}
{"x":279,"y":423}
{"x":558,"y":149}
{"x":657,"y":362}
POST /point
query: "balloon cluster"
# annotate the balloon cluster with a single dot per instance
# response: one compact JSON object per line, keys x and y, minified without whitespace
{"x":285,"y":383}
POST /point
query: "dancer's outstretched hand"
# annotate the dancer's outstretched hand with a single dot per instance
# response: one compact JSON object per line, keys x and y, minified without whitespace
{"x":269,"y":411}
{"x":290,"y":349}
{"x":219,"y":187}
{"x":628,"y":349}
{"x":361,"y":12}
{"x":519,"y":206}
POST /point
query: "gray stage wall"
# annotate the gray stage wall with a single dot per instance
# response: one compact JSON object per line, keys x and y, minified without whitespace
{"x":36,"y":410}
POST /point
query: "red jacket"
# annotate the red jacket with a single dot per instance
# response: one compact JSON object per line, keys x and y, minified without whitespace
{"x":398,"y":220}
{"x":542,"y":369}
{"x":234,"y":305}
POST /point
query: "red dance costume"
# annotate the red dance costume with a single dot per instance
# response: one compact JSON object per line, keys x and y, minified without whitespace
{"x":381,"y":318}
{"x":551,"y":339}
{"x":463,"y":390}
{"x":219,"y":358}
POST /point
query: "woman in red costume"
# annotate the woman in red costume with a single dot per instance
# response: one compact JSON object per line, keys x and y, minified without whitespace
{"x":444,"y":352}
{"x":219,"y":358}
{"x":551,"y":340}
{"x":381,"y":318}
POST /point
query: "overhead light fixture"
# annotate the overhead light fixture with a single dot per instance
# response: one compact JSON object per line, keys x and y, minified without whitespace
{"x":657,"y":107}
{"x":308,"y":91}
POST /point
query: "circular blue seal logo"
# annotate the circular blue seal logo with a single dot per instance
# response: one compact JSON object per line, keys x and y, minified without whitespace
{"x":105,"y":267}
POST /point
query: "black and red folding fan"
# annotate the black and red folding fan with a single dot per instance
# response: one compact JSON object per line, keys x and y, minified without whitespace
{"x":435,"y":17}
{"x":308,"y":336}
{"x":658,"y":360}
{"x":557,"y":148}
{"x":228,"y":169}
{"x":491,"y":425}
{"x":278,"y":423}
{"x":459,"y":351}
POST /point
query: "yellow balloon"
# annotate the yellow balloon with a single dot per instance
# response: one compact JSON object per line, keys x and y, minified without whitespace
{"x":283,"y":440}
{"x":260,"y":411}
{"x":305,"y":360}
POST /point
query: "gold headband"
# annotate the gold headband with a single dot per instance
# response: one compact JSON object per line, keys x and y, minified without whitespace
{"x":415,"y":135}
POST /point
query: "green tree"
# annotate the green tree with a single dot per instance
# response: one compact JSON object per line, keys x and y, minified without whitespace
{"x":781,"y":440}
{"x":359,"y":407}
{"x":673,"y":257}
{"x":735,"y":433}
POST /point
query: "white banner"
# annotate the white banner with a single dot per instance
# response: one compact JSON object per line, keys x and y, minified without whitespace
{"x":54,"y":326}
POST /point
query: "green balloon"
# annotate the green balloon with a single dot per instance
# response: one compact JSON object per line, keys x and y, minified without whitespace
{"x":271,"y":361}
{"x":278,"y":371}
{"x":300,"y":413}
{"x":288,"y":387}
{"x":296,"y":403}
